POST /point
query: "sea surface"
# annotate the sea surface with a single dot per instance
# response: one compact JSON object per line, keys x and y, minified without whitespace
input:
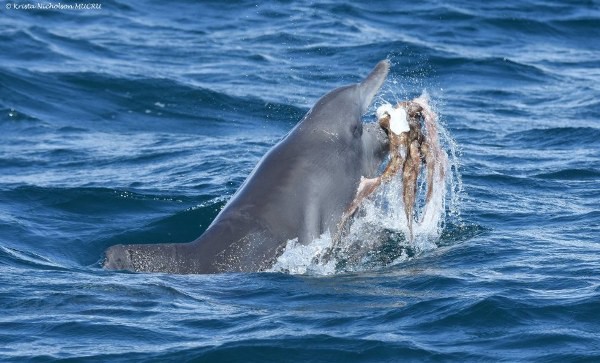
{"x":137,"y":121}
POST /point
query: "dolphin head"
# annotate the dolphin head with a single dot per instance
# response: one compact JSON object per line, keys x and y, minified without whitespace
{"x":342,"y":109}
{"x":339,"y":114}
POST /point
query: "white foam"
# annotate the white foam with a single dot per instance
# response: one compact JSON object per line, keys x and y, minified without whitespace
{"x":305,"y":259}
{"x":398,"y":120}
{"x":383,"y":109}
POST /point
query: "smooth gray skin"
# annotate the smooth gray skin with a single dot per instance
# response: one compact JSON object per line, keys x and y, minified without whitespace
{"x":299,"y":189}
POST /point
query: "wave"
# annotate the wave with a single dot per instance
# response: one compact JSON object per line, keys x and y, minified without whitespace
{"x":19,"y":47}
{"x":129,"y":103}
{"x":556,"y":137}
{"x":121,"y":216}
{"x":27,"y":260}
{"x":570,"y":174}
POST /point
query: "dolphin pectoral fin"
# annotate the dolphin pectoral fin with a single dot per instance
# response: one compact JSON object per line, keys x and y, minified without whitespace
{"x":371,"y":85}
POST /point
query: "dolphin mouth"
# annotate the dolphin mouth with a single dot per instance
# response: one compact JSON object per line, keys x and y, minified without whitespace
{"x":383,"y":134}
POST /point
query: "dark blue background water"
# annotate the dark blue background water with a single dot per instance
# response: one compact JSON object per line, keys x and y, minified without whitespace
{"x":136,"y":122}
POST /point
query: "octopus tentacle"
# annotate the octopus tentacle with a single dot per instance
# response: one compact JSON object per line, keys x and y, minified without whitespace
{"x":409,"y":151}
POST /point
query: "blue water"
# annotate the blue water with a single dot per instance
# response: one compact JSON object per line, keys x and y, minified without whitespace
{"x":135,"y":123}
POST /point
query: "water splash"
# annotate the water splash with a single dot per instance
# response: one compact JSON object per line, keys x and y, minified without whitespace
{"x":377,"y":236}
{"x":301,"y":259}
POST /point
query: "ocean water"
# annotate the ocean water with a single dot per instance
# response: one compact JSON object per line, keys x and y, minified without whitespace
{"x":135,"y":122}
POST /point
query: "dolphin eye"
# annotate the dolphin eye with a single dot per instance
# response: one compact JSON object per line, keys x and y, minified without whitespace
{"x":357,"y":129}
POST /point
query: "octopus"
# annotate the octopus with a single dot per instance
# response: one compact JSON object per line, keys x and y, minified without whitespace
{"x":409,"y":150}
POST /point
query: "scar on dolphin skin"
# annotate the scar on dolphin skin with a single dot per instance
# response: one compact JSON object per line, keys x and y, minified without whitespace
{"x":408,"y":150}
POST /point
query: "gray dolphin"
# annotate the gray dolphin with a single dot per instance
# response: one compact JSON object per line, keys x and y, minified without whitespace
{"x":299,"y":189}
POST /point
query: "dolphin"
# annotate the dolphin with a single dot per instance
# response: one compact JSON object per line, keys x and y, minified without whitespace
{"x":299,"y":189}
